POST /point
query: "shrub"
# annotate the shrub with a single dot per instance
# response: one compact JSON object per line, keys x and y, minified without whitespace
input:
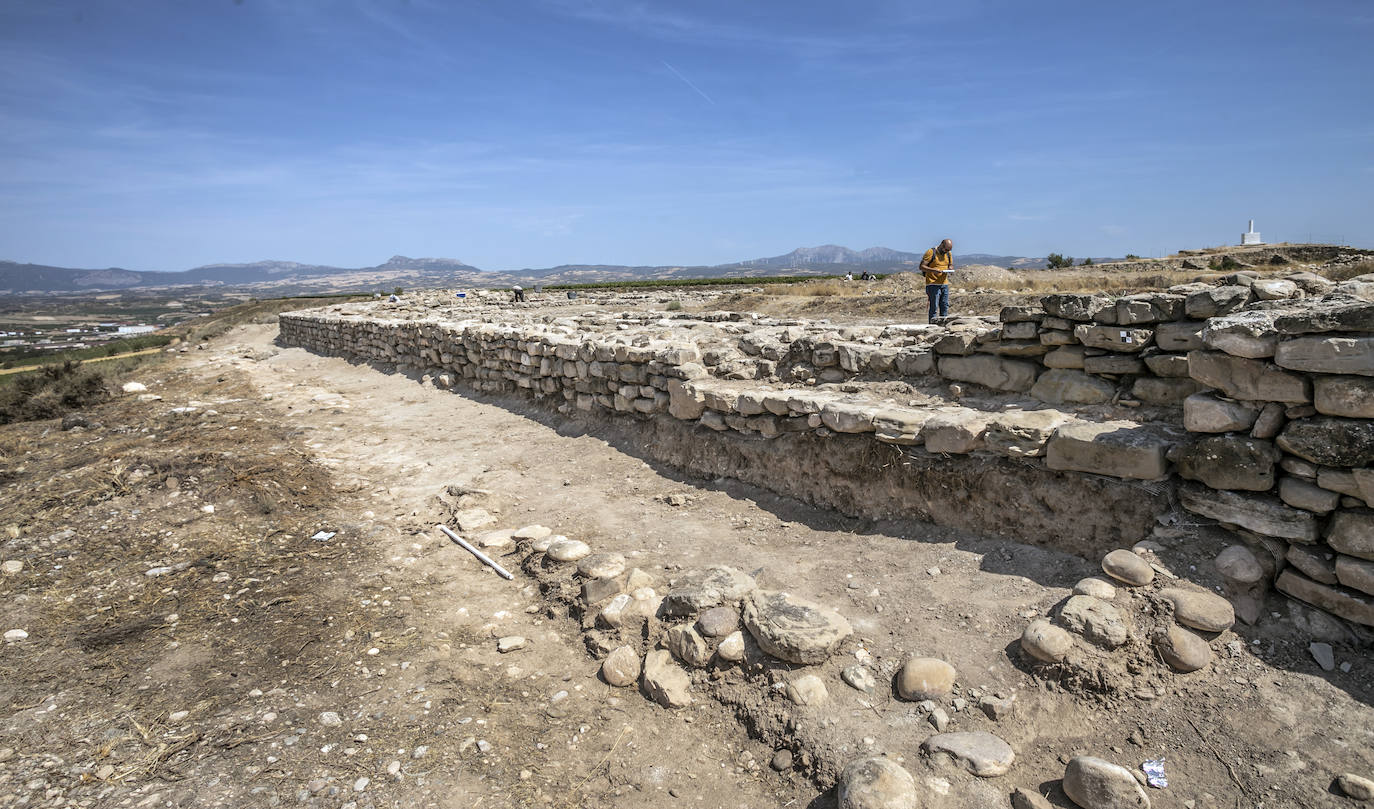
{"x":51,"y":391}
{"x":1132,"y":257}
{"x":1058,"y":261}
{"x":674,"y":306}
{"x":1087,"y":262}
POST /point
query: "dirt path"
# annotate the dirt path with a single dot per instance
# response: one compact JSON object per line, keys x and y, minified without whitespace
{"x":379,"y":683}
{"x":96,"y":359}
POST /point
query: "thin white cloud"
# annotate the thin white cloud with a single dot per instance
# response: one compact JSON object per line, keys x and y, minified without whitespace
{"x":688,"y":82}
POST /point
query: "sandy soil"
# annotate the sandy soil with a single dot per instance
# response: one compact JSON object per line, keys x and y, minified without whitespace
{"x":394,"y":628}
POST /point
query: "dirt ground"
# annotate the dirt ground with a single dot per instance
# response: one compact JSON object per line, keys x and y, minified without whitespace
{"x":183,"y":655}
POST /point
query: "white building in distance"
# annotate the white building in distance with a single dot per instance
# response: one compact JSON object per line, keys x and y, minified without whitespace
{"x":1250,"y":236}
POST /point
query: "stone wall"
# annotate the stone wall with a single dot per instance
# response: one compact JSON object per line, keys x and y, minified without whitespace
{"x":1254,"y":399}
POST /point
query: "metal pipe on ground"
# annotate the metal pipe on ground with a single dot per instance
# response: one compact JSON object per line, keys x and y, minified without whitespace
{"x":482,"y":557}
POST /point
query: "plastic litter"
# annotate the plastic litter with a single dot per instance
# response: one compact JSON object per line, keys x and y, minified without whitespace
{"x":324,"y":536}
{"x":1154,"y":773}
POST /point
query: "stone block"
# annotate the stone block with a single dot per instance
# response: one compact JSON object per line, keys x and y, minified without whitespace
{"x":1167,"y":365}
{"x":1316,"y":562}
{"x":1015,"y":348}
{"x":915,"y":362}
{"x":1243,"y":334}
{"x":1270,"y":421}
{"x":1330,"y":441}
{"x":1357,"y":574}
{"x":1328,"y":355}
{"x":1024,"y":330}
{"x":990,"y":371}
{"x":1123,"y":364}
{"x":1055,"y":337}
{"x":1259,"y":513}
{"x":1216,"y":301}
{"x":1242,"y":378}
{"x":1022,"y":433}
{"x":1348,"y":604}
{"x":896,"y":425}
{"x":1183,"y":335}
{"x":1336,"y":316}
{"x":1299,"y":493}
{"x":1114,"y":338}
{"x":1153,"y":390}
{"x":955,"y":433}
{"x":1352,"y":533}
{"x":1080,"y":308}
{"x":1021,"y":314}
{"x":1066,"y":386}
{"x":1068,"y":357}
{"x":959,"y":343}
{"x":1350,"y":396}
{"x":1149,"y":307}
{"x":847,"y":417}
{"x":1230,"y":462}
{"x":1120,"y":449}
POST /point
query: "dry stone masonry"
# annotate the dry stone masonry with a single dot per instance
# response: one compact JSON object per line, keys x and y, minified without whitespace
{"x":1250,"y":401}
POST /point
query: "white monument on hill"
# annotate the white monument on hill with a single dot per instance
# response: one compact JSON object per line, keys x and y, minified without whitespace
{"x":1250,"y":236}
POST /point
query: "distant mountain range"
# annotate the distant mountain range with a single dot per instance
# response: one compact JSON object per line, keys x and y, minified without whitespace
{"x":289,"y":277}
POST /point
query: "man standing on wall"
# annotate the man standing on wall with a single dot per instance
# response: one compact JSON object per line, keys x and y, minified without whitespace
{"x":936,"y":266}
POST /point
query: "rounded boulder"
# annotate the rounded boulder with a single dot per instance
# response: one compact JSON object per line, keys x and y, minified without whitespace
{"x":922,"y":678}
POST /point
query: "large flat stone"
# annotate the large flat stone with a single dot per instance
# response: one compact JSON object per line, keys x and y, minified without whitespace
{"x":1065,"y":386}
{"x":1023,"y":433}
{"x":684,"y":400}
{"x":1074,"y":307}
{"x":1149,"y":307}
{"x":990,"y":371}
{"x":1348,"y":604}
{"x":1259,"y":513}
{"x":1352,"y":533}
{"x":899,"y":425}
{"x":955,"y":433}
{"x":1242,"y":378}
{"x":1114,"y":338}
{"x":847,"y":417}
{"x":1330,"y":441}
{"x":979,"y":752}
{"x":794,"y":629}
{"x":1120,"y":449}
{"x":1216,"y":301}
{"x":1349,"y":396}
{"x":1327,"y":355}
{"x":1183,"y":335}
{"x":1243,"y":334}
{"x":1357,"y":574}
{"x":1206,"y":413}
{"x":1230,"y":462}
{"x":1347,"y":316}
{"x":1152,"y":390}
{"x":1068,"y":356}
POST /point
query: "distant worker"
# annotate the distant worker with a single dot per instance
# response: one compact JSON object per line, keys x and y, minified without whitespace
{"x":864,"y":276}
{"x":393,"y":299}
{"x":519,"y":293}
{"x":936,"y":265}
{"x":849,"y":276}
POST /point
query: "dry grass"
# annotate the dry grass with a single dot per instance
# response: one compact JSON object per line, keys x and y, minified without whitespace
{"x":1344,"y":272}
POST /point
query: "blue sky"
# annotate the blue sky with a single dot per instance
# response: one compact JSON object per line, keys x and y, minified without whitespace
{"x":514,"y":133}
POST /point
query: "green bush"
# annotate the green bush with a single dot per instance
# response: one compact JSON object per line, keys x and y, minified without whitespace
{"x":1087,"y":262}
{"x":674,"y":306}
{"x":1058,"y":261}
{"x":1132,"y":257}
